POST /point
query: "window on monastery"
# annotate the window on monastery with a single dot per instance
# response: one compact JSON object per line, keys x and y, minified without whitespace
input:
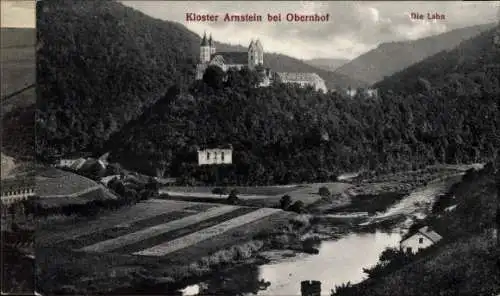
{"x":215,"y":155}
{"x":420,"y":240}
{"x":222,"y":156}
{"x":408,"y":250}
{"x":208,"y":155}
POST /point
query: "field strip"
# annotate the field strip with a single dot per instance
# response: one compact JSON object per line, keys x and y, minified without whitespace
{"x":123,"y":229}
{"x":174,"y":234}
{"x":141,"y":211}
{"x":196,"y":237}
{"x":109,"y":245}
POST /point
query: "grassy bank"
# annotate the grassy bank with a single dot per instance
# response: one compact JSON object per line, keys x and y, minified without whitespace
{"x":370,"y":203}
{"x":465,"y":262}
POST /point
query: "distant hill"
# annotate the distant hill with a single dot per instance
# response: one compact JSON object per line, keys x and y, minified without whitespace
{"x":17,"y":37}
{"x":389,"y":58}
{"x":17,"y":66}
{"x":471,"y":68}
{"x":327,"y":64}
{"x":18,"y":78}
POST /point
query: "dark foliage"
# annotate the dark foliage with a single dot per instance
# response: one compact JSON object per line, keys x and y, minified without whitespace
{"x":99,"y":64}
{"x":285,"y":202}
{"x":297,"y":207}
{"x":324,"y":192}
{"x":220,"y":191}
{"x":18,"y":133}
{"x":233,"y":197}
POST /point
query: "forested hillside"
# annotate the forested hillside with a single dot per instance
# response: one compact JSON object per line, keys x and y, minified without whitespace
{"x":281,"y":134}
{"x":327,"y":64}
{"x":389,"y":58}
{"x":469,"y":69}
{"x":100,"y":63}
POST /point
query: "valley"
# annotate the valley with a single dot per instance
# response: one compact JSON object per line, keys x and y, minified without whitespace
{"x":196,"y":238}
{"x":165,"y":166}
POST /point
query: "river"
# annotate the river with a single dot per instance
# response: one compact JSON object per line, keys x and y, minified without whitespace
{"x":338,"y":261}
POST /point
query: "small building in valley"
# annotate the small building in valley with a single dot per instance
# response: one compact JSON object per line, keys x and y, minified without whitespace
{"x":366,"y":93}
{"x":301,"y":79}
{"x":423,"y":238}
{"x":219,"y":155}
{"x":17,"y":189}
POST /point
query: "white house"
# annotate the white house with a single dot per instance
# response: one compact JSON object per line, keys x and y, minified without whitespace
{"x":215,"y":156}
{"x":423,"y":238}
{"x":71,"y":162}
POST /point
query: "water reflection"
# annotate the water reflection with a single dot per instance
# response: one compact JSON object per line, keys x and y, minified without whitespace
{"x":241,"y":280}
{"x":337,"y":262}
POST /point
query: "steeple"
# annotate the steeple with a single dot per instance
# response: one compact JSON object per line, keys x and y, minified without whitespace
{"x":211,"y":44}
{"x":251,"y":44}
{"x":204,"y":40}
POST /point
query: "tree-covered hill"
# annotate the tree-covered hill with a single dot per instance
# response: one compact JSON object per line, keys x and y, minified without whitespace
{"x":471,"y":67}
{"x":282,"y":134}
{"x":391,"y":57}
{"x":100,"y":63}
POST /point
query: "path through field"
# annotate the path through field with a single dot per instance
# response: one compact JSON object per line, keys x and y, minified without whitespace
{"x":160,"y":227}
{"x":135,"y":237}
{"x":140,"y":211}
{"x":196,"y":237}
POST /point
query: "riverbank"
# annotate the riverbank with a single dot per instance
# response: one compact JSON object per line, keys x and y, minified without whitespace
{"x":465,"y":262}
{"x":315,"y":231}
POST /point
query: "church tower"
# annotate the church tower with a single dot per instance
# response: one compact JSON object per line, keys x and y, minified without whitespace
{"x":255,"y":54}
{"x":211,"y":43}
{"x":204,"y":50}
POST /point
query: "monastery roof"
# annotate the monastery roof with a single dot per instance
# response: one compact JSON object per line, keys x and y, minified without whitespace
{"x":298,"y":76}
{"x":233,"y":57}
{"x":427,"y":232}
{"x":255,"y":43}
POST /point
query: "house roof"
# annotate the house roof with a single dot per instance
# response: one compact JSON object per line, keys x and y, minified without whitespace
{"x":427,"y":232}
{"x":298,"y":76}
{"x":233,"y":57}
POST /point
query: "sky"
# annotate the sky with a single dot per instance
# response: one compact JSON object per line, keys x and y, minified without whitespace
{"x":353,"y":27}
{"x":18,"y":14}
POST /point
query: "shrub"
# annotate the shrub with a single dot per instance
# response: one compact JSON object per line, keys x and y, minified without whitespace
{"x":324,"y":192}
{"x":233,"y":197}
{"x":285,"y":202}
{"x":220,"y":191}
{"x":297,"y":207}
